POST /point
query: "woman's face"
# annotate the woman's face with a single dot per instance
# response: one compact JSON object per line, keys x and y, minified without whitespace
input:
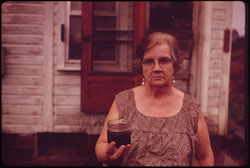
{"x":158,"y":75}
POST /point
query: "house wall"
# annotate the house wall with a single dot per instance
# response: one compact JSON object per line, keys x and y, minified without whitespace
{"x":67,"y":115}
{"x":23,"y":83}
{"x":40,"y":94}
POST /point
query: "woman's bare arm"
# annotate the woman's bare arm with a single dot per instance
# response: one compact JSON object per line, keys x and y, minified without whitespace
{"x":108,"y":153}
{"x":205,"y":153}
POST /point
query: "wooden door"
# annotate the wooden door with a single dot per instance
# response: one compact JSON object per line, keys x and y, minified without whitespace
{"x":110,"y":32}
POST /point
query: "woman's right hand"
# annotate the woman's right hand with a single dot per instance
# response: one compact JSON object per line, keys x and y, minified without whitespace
{"x":114,"y":156}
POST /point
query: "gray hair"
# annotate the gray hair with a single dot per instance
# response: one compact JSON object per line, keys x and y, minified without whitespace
{"x":151,"y":39}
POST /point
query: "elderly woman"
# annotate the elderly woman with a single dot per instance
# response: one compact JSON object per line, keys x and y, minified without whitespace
{"x":167,"y":125}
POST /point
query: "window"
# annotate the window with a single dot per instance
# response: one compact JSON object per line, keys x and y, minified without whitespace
{"x":112,"y":36}
{"x":68,"y":21}
{"x":74,"y":48}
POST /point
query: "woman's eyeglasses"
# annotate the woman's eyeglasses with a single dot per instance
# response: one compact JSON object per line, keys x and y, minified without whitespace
{"x":163,"y":62}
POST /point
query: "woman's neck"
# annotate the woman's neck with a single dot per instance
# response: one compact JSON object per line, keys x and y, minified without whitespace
{"x":159,"y":92}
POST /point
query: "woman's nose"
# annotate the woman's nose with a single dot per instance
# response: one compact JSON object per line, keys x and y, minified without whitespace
{"x":157,"y":66}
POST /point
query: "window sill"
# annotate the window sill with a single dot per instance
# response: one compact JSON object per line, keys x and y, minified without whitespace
{"x":68,"y":68}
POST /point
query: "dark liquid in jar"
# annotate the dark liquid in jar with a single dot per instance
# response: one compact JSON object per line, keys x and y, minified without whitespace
{"x":121,"y":138}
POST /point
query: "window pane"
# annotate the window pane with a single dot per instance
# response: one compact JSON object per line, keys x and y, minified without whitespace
{"x":103,"y":51}
{"x":75,"y":50}
{"x":106,"y":22}
{"x":75,"y":47}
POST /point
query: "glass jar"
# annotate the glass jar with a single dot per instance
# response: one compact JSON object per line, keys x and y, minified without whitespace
{"x":118,"y":131}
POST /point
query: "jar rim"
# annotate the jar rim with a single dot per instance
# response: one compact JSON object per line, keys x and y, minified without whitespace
{"x":114,"y":121}
{"x":118,"y":124}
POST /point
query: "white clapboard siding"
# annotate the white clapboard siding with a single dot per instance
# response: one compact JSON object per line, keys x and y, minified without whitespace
{"x":22,"y":19}
{"x":67,"y":100}
{"x":22,"y":80}
{"x":22,"y":109}
{"x":28,"y":3}
{"x":67,"y":90}
{"x":23,"y":70}
{"x":22,"y":29}
{"x":22,"y":8}
{"x":67,"y":110}
{"x":22,"y":100}
{"x":23,"y":129}
{"x":69,"y":120}
{"x":67,"y":80}
{"x":24,"y":60}
{"x":22,"y":39}
{"x":22,"y":119}
{"x":23,"y":49}
{"x":21,"y":90}
{"x":23,"y":83}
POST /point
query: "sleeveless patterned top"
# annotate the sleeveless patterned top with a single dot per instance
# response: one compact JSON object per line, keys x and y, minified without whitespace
{"x":162,"y":141}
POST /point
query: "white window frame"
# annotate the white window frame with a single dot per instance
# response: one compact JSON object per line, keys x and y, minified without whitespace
{"x":63,"y":63}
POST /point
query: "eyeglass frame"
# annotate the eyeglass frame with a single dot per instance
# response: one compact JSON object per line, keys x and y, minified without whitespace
{"x":157,"y":61}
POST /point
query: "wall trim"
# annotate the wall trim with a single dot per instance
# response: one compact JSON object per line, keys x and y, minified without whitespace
{"x":201,"y":52}
{"x":48,"y":66}
{"x":226,"y":61}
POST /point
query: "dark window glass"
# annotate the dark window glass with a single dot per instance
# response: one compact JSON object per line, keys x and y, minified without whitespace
{"x":170,"y":15}
{"x":75,"y":47}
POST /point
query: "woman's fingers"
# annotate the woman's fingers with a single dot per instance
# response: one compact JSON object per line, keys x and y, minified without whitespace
{"x":119,"y":152}
{"x":126,"y":150}
{"x":110,"y":148}
{"x":115,"y":154}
